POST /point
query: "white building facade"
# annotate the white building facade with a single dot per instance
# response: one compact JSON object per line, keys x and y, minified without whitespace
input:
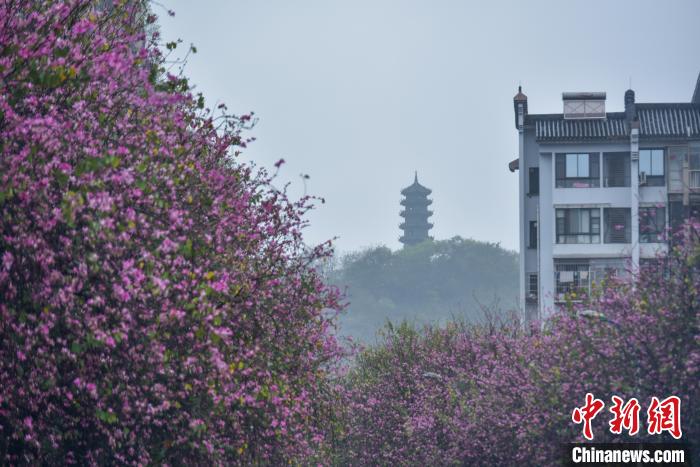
{"x":598,"y":191}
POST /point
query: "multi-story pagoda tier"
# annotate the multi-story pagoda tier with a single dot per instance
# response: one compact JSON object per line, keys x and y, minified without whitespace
{"x":415,"y":213}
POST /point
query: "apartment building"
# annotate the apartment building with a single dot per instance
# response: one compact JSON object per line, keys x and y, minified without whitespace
{"x":599,"y":189}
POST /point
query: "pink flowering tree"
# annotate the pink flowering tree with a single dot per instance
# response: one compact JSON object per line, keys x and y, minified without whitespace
{"x":498,"y":394}
{"x":157,"y":303}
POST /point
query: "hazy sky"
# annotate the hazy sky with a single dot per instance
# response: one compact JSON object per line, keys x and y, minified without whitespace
{"x":359,"y":94}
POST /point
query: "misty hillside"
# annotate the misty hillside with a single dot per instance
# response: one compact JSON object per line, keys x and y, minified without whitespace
{"x":429,"y":282}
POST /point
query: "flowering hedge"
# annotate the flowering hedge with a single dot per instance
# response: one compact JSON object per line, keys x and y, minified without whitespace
{"x":157,"y":302}
{"x":499,"y":395}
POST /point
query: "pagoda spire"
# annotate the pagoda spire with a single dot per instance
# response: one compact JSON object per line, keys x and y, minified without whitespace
{"x":415,"y":213}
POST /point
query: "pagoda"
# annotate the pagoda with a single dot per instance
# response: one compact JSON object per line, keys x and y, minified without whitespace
{"x":415,"y":213}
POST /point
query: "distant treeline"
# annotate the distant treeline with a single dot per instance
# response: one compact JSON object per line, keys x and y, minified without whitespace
{"x":427,"y":283}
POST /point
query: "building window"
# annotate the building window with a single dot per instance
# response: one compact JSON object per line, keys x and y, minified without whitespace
{"x":605,"y":273}
{"x":652,"y":224}
{"x":534,"y":181}
{"x":572,"y":278}
{"x":616,"y":169}
{"x":578,"y":225}
{"x":694,"y":169}
{"x":578,"y":170}
{"x":533,"y":235}
{"x":532,"y":287}
{"x":651,"y":167}
{"x":617,"y":225}
{"x":676,"y":215}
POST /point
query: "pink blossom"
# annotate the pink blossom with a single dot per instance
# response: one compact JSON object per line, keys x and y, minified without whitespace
{"x":153,"y":262}
{"x":7,"y":260}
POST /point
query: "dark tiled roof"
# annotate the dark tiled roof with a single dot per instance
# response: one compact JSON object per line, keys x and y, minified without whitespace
{"x":663,"y":120}
{"x":556,"y":128}
{"x":416,"y":188}
{"x":655,"y":121}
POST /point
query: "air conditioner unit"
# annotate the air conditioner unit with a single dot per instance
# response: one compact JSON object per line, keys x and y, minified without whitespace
{"x":642,"y":178}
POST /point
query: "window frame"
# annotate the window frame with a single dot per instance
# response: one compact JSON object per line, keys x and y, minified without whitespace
{"x":532,"y":239}
{"x":580,"y":288}
{"x":626,"y":182}
{"x":607,"y":229}
{"x":561,"y":170}
{"x":653,"y":179}
{"x":693,"y":167}
{"x":533,"y":175}
{"x":656,"y":235}
{"x":562,"y":231}
{"x":533,"y":294}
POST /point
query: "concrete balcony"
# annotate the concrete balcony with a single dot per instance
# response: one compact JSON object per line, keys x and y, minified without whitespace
{"x":592,"y":250}
{"x":614,"y":196}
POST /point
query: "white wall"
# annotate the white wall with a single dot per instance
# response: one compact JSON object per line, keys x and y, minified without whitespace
{"x":546,"y":225}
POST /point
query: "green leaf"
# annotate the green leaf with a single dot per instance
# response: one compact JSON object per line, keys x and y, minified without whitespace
{"x":107,"y":417}
{"x":187,"y":248}
{"x":48,"y":384}
{"x":61,"y":51}
{"x":61,"y":178}
{"x":6,"y":195}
